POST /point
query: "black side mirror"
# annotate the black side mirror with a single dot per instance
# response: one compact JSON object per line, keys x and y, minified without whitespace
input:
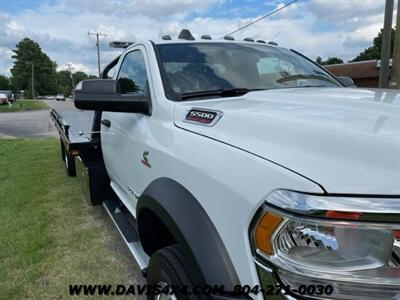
{"x":104,"y":95}
{"x":347,"y":81}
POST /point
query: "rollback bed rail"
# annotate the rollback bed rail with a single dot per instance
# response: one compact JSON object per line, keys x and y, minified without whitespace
{"x":61,"y":125}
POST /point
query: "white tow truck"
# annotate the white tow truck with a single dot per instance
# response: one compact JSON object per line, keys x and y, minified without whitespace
{"x":244,"y":165}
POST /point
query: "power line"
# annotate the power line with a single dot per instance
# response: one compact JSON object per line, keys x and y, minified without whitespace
{"x":261,"y":18}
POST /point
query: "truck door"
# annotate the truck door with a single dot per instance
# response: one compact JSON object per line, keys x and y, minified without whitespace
{"x":124,"y":140}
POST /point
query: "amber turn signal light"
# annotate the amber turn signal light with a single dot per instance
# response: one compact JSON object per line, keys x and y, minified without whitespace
{"x":264,"y":231}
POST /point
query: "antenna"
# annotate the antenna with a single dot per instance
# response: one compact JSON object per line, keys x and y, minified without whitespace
{"x":263,"y":17}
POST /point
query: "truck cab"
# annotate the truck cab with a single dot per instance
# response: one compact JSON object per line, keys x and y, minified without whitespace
{"x":245,"y":166}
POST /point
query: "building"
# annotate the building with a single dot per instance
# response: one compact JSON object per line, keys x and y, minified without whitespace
{"x":363,"y":73}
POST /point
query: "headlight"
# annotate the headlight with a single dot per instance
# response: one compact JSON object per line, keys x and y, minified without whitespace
{"x":310,"y":239}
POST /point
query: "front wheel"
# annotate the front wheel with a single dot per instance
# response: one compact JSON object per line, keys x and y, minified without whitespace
{"x":69,"y":162}
{"x":167,"y":268}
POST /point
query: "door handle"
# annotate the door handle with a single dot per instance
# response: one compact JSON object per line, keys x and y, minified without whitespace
{"x":106,"y":122}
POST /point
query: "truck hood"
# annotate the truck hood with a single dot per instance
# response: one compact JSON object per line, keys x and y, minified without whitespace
{"x":345,"y":139}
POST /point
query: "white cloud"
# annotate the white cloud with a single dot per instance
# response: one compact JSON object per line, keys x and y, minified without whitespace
{"x":75,"y":67}
{"x":14,"y":26}
{"x":314,"y":27}
{"x":342,"y":11}
{"x":150,"y":8}
{"x":361,"y":36}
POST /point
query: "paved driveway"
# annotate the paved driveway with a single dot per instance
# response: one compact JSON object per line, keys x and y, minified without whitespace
{"x":32,"y":124}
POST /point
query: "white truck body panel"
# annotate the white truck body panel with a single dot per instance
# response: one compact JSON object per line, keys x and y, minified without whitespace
{"x":347,"y":140}
{"x":205,"y":171}
{"x":295,"y":139}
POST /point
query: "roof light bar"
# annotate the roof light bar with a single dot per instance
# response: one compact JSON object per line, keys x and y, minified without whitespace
{"x":118,"y":44}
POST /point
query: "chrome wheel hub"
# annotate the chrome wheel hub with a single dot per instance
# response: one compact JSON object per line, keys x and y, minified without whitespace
{"x":165,"y":296}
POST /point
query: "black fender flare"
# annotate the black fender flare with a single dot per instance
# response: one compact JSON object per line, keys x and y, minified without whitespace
{"x":193,"y":230}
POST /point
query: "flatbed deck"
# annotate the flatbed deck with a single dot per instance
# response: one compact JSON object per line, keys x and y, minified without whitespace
{"x":70,"y":123}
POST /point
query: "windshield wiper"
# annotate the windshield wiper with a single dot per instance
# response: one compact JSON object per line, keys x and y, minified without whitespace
{"x":304,"y":76}
{"x":308,"y":86}
{"x":220,"y":92}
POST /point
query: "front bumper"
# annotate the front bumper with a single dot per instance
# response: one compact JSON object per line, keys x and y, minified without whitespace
{"x":271,"y":287}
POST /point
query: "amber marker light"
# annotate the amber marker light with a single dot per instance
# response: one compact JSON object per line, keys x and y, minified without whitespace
{"x":264,"y":231}
{"x":331,"y":214}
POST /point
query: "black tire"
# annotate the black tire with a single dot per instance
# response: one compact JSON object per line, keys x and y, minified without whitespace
{"x":167,"y":266}
{"x":69,"y":162}
{"x":62,"y":150}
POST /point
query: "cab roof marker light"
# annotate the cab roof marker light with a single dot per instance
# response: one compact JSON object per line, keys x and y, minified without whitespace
{"x":229,"y":38}
{"x":206,"y":37}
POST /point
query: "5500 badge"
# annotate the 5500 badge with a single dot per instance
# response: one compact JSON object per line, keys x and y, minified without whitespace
{"x":203,"y":116}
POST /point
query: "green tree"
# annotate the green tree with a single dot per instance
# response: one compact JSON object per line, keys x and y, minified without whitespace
{"x":64,"y":82}
{"x":79,"y":76}
{"x":128,"y":85}
{"x":332,"y":61}
{"x":329,"y":61}
{"x":374,"y":52}
{"x":28,"y":52}
{"x":4,"y":83}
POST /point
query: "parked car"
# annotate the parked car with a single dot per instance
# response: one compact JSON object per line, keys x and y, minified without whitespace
{"x":3,"y":98}
{"x":243,"y":165}
{"x":9,"y":95}
{"x":60,"y":97}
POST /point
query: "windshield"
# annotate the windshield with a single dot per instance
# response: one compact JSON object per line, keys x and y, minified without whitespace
{"x":198,"y":67}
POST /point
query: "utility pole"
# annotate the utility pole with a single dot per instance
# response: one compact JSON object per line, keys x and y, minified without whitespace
{"x":70,"y":72}
{"x":395,"y":78}
{"x":386,"y":41}
{"x":33,"y":80}
{"x":97,"y":34}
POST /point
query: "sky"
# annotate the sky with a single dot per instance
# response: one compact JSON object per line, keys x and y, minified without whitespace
{"x":325,"y":28}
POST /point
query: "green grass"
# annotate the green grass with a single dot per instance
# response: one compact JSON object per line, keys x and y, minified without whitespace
{"x":50,"y":236}
{"x":23,"y":105}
